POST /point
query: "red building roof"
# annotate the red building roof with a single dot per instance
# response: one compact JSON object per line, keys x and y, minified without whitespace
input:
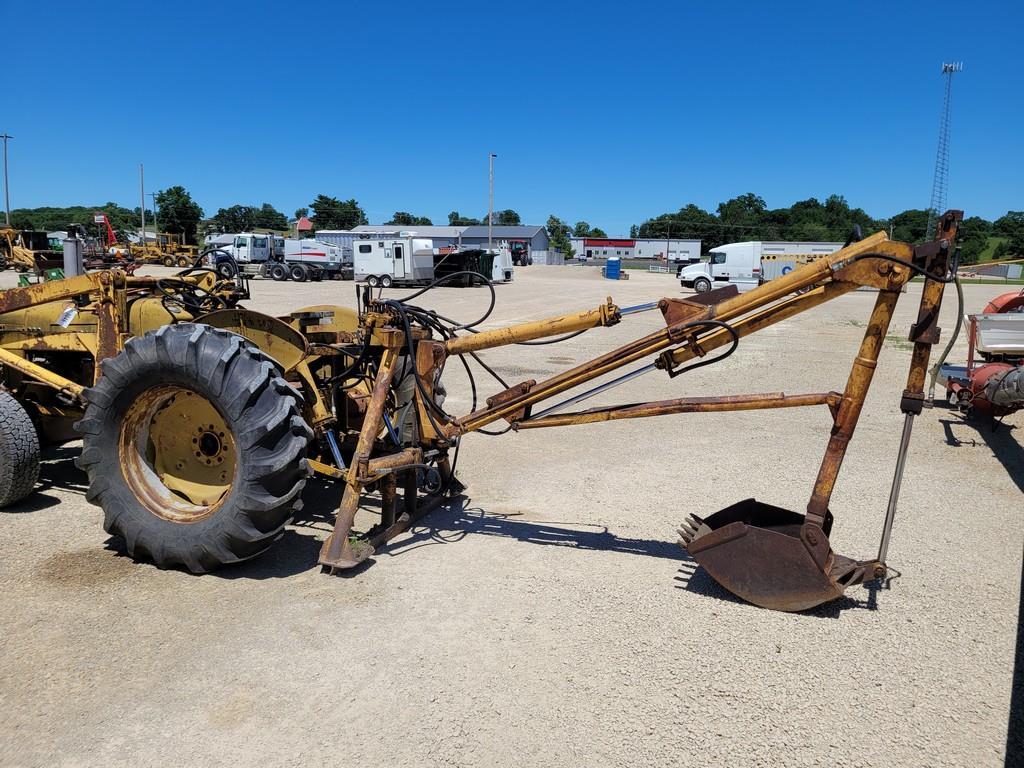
{"x":607,"y":243}
{"x":303,"y":225}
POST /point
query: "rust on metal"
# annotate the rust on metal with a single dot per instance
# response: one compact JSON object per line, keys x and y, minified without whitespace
{"x":720,"y":404}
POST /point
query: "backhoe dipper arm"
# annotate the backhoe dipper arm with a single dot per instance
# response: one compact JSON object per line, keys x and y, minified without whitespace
{"x":841,"y":272}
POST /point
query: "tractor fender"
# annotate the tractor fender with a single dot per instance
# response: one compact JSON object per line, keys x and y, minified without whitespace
{"x":275,"y":338}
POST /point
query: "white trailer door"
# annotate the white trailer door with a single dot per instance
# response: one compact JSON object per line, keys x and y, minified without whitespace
{"x":398,"y":253}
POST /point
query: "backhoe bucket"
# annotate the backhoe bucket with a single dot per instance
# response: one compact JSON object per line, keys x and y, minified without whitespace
{"x":771,"y":557}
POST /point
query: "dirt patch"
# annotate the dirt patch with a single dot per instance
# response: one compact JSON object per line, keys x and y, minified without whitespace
{"x":85,"y":568}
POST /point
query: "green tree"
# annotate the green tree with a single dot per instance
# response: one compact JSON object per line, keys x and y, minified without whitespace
{"x":974,"y":234}
{"x":581,"y":229}
{"x":268,"y":217}
{"x":332,"y":213}
{"x":634,"y":231}
{"x":237,"y":218}
{"x":558,"y":235}
{"x":455,"y":219}
{"x":179,"y":213}
{"x":506,"y":218}
{"x":300,"y":212}
{"x":405,"y":219}
{"x":910,"y":225}
{"x":598,"y":232}
{"x":1011,"y":226}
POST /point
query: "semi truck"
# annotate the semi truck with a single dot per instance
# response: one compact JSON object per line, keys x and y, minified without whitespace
{"x":746,"y":265}
{"x":278,"y":258}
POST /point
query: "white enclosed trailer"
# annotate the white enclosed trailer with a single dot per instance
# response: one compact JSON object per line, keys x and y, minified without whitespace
{"x":393,"y":261}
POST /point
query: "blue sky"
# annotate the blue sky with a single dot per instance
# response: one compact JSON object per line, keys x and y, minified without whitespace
{"x":608,"y":112}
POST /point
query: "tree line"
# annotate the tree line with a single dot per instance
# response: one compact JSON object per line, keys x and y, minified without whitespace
{"x":745,"y":217}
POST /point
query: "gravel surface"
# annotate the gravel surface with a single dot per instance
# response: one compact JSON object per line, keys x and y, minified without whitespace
{"x":550,"y":619}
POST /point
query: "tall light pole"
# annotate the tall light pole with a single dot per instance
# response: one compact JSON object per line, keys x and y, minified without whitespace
{"x":490,"y":200}
{"x":142,"y":205}
{"x":7,"y":186}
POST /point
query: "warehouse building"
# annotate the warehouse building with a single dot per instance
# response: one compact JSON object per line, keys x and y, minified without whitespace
{"x":634,"y":248}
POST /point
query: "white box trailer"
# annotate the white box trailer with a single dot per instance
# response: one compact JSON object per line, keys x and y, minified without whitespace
{"x":747,"y":265}
{"x":393,"y":261}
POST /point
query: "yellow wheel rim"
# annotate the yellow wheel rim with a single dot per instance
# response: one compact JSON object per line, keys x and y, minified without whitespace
{"x":178,"y":454}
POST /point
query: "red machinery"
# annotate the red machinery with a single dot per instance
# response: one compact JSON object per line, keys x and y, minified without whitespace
{"x":992,"y":383}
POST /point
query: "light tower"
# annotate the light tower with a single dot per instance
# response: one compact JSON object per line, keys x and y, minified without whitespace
{"x":941,"y":179}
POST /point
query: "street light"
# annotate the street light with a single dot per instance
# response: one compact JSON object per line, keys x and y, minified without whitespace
{"x":490,"y":201}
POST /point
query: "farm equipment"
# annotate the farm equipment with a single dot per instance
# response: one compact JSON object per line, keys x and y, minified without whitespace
{"x":992,"y":382}
{"x":27,"y":251}
{"x":201,"y":420}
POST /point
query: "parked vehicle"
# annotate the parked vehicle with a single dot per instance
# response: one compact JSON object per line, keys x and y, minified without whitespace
{"x":749,"y":264}
{"x":395,"y":261}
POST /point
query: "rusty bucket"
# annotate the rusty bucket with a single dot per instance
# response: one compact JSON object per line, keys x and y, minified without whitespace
{"x":771,"y":557}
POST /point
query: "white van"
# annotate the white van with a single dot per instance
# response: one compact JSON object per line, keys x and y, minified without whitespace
{"x":747,"y":265}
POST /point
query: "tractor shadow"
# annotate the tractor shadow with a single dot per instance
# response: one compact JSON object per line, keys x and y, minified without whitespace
{"x":56,"y":472}
{"x":457,"y":519}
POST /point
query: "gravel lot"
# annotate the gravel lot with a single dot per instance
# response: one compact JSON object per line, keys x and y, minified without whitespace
{"x":550,"y":619}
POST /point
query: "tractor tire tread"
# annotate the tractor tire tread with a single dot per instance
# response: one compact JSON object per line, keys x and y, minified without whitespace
{"x":270,"y":434}
{"x":19,"y":451}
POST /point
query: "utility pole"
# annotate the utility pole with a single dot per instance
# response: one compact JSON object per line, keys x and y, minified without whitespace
{"x":7,"y":185}
{"x":142,"y":206}
{"x":156,"y":225}
{"x":490,"y":200}
{"x":668,"y":240}
{"x":941,"y":179}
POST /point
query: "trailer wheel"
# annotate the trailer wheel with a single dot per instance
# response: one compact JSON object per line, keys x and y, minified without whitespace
{"x":386,"y":281}
{"x":372,"y":281}
{"x":702,"y":285}
{"x":279,"y":272}
{"x":195,"y":447}
{"x":168,"y":261}
{"x":299,"y":273}
{"x":19,"y":451}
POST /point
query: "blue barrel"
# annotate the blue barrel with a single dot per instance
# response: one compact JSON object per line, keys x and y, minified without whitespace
{"x":613,"y":268}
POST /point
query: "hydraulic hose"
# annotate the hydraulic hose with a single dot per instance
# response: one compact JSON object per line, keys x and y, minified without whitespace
{"x":952,"y":340}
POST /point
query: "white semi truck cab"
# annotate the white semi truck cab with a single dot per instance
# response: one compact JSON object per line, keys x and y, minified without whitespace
{"x":746,"y":265}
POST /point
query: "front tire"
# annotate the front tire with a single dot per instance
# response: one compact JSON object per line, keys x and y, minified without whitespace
{"x":701,"y":285}
{"x":19,"y":451}
{"x":195,"y":448}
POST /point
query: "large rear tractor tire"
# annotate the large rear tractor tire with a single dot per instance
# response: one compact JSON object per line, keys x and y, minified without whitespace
{"x":19,"y":452}
{"x":195,"y":448}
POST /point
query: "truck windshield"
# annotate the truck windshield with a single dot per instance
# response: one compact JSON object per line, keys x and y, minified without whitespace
{"x":717,"y":257}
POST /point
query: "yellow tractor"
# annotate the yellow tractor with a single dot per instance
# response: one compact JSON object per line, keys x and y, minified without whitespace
{"x":200,"y":420}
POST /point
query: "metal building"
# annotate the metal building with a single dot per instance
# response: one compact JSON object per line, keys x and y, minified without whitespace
{"x":634,"y":248}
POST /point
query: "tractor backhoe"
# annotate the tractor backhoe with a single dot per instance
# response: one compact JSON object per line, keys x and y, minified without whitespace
{"x":200,"y":420}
